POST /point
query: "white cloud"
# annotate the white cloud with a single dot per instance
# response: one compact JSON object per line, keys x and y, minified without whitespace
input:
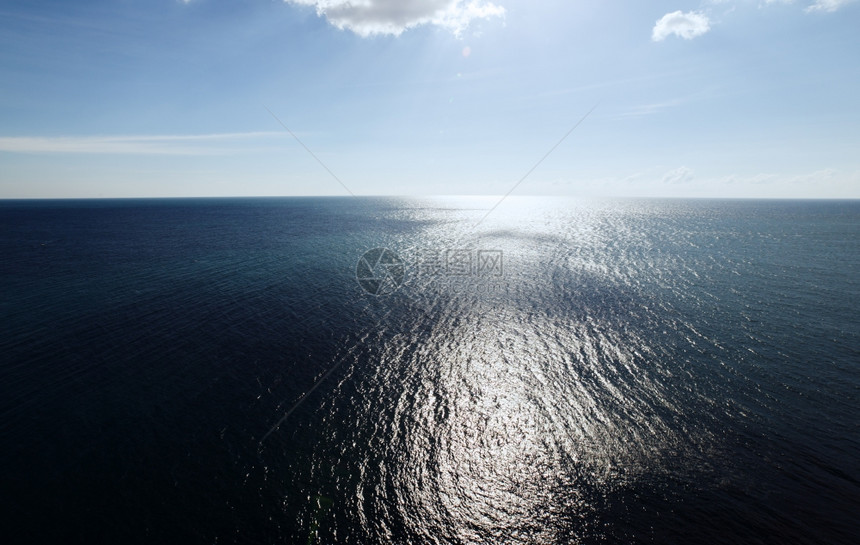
{"x":368,"y":17}
{"x":686,"y":25}
{"x":194,"y":144}
{"x":828,"y":5}
{"x":678,"y":176}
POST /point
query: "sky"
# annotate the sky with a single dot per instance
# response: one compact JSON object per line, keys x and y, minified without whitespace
{"x":174,"y":98}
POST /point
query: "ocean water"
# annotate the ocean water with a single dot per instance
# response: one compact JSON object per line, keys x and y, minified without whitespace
{"x":563,"y":371}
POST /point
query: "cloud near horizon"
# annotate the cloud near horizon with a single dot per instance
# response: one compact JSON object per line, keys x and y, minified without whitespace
{"x":679,"y":175}
{"x":685,"y":25}
{"x":393,"y":17}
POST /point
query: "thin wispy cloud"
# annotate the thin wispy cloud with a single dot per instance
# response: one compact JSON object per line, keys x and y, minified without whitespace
{"x":393,"y":17}
{"x":653,"y":108}
{"x":196,"y":144}
{"x":684,"y":25}
{"x":828,"y":5}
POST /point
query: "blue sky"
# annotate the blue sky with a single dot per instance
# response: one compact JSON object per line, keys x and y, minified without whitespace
{"x":715,"y":98}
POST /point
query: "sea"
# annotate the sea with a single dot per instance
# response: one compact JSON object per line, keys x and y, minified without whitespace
{"x":429,"y":370}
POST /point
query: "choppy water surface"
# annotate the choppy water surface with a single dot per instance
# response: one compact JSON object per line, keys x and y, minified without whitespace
{"x":626,"y":371}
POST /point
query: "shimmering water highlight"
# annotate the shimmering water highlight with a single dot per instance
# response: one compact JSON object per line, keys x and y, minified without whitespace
{"x":643,"y":371}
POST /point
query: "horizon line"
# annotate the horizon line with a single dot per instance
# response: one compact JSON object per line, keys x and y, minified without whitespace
{"x":427,"y":196}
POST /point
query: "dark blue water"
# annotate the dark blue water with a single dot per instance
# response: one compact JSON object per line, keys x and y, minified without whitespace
{"x":211,"y":371}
